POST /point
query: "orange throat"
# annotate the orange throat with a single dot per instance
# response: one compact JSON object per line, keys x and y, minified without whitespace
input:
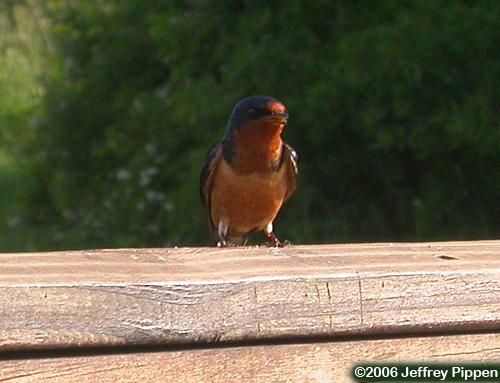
{"x":258,"y":148}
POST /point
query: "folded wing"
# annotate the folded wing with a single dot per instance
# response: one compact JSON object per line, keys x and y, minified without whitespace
{"x":206,"y":179}
{"x":290,"y":160}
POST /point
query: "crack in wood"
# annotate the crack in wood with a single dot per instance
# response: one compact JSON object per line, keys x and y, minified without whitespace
{"x":12,"y":377}
{"x":256,"y":315}
{"x":480,"y":351}
{"x":360,"y":302}
{"x":447,"y":257}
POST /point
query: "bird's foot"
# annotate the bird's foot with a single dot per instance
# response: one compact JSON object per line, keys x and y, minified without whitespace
{"x":225,"y":243}
{"x":274,"y":241}
{"x":277,"y":244}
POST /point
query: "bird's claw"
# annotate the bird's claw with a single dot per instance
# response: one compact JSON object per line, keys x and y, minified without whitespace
{"x":226,"y":244}
{"x":277,"y":243}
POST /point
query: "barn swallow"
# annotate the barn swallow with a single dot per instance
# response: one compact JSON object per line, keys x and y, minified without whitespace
{"x":249,"y":173}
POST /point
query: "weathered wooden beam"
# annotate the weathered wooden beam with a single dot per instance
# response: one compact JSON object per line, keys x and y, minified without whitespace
{"x":321,"y":362}
{"x":189,"y":295}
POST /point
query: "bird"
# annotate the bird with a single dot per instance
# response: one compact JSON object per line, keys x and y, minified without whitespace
{"x":249,"y":173}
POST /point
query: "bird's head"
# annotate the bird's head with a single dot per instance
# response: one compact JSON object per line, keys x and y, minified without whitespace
{"x":253,"y":137}
{"x":266,"y":114}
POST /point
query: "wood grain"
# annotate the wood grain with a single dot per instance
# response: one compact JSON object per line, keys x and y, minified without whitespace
{"x":189,"y":295}
{"x":322,"y":362}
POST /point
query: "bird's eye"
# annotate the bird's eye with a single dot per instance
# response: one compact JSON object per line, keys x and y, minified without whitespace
{"x":252,"y":111}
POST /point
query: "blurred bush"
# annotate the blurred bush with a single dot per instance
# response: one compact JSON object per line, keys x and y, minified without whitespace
{"x":26,"y":56}
{"x":394,"y":112}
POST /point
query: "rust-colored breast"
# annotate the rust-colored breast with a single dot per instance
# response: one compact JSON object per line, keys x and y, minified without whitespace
{"x":259,"y":147}
{"x":246,"y":202}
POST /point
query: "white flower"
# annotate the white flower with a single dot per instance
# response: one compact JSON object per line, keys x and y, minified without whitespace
{"x":168,"y":206}
{"x":151,"y":148}
{"x":123,"y":174}
{"x":13,"y":222}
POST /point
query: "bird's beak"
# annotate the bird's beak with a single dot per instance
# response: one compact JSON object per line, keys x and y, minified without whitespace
{"x":278,"y":118}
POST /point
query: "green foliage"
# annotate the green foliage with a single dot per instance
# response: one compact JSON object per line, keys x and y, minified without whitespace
{"x":392,"y":112}
{"x":26,"y":55}
{"x":24,"y":48}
